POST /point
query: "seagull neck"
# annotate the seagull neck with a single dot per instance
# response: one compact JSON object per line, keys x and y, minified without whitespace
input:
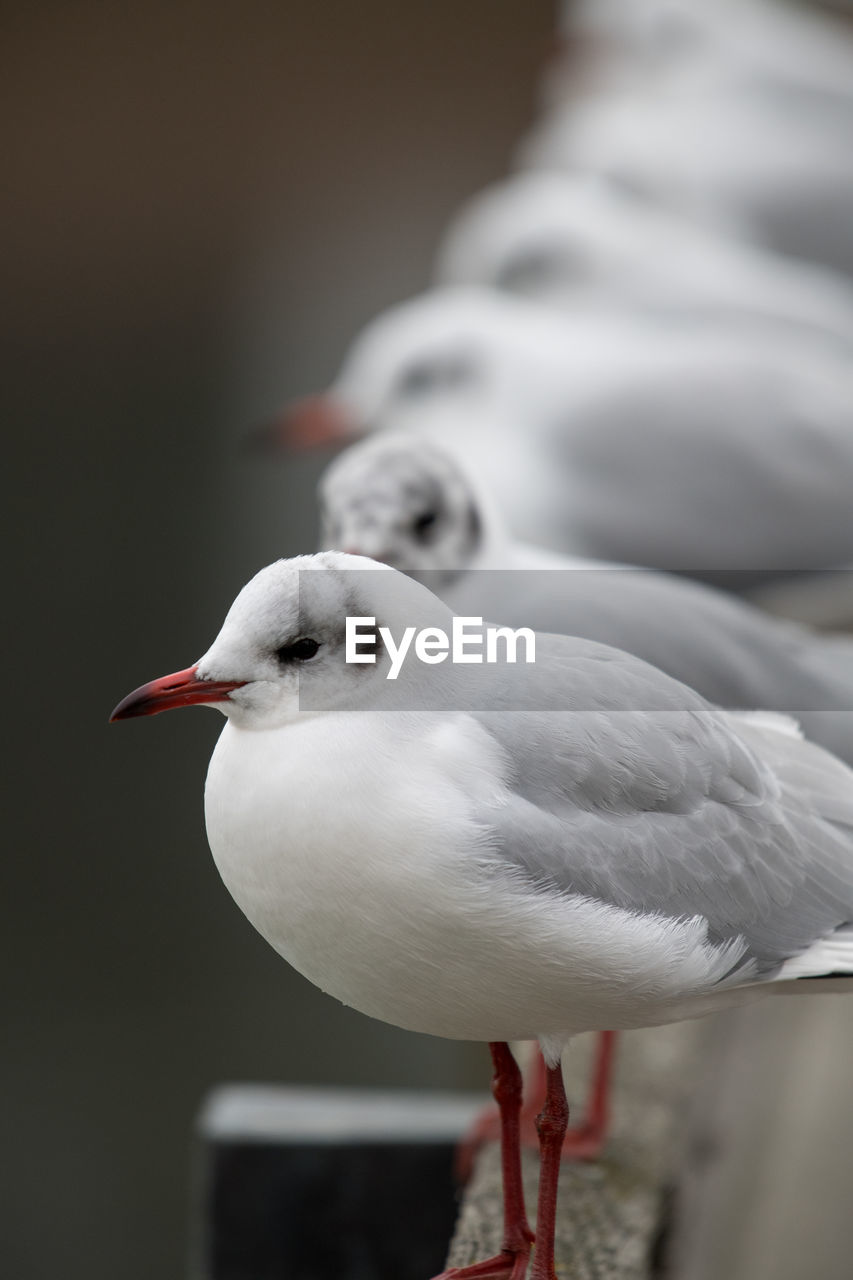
{"x":494,"y":552}
{"x":494,"y":545}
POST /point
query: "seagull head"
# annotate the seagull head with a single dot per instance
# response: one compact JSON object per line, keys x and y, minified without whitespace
{"x":402,"y":500}
{"x":282,"y":649}
{"x":555,"y":237}
{"x":621,"y":45}
{"x":517,"y":235}
{"x":452,"y":352}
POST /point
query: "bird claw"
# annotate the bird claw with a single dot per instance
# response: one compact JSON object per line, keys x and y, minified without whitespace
{"x":507,"y":1265}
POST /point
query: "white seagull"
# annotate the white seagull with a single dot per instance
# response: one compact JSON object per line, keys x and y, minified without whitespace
{"x":738,"y":113}
{"x":570,"y":845}
{"x":657,"y":445}
{"x":775,"y":171}
{"x":573,"y":241}
{"x":401,"y":500}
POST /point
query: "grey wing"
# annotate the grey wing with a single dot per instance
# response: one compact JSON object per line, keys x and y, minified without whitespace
{"x":659,"y":470}
{"x":682,"y":810}
{"x":729,"y":651}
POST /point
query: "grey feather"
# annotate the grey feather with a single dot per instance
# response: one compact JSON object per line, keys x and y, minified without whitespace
{"x":732,"y":653}
{"x":680,"y":808}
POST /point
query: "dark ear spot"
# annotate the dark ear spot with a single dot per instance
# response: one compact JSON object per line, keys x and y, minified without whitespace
{"x":439,"y":373}
{"x":530,"y":269}
{"x":423,"y":525}
{"x":369,"y":645}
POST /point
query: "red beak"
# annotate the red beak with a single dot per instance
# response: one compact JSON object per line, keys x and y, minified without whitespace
{"x":181,"y":689}
{"x":314,"y":422}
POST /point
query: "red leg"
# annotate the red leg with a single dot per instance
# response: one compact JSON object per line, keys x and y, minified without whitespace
{"x":511,"y":1262}
{"x":551,"y":1124}
{"x":584,"y":1142}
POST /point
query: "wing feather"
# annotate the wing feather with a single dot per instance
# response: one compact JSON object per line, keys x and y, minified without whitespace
{"x":674,"y":806}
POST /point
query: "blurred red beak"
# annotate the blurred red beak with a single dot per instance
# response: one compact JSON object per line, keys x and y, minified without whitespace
{"x":314,"y":422}
{"x":181,"y":689}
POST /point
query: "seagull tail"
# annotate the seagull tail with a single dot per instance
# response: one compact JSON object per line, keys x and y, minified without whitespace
{"x":828,"y":961}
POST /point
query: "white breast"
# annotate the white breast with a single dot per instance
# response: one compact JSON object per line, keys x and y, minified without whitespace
{"x":351,"y":843}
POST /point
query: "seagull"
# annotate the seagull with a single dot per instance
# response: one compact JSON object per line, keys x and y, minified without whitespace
{"x":566,"y":846}
{"x":402,"y":501}
{"x":770,"y":170}
{"x":730,"y":44}
{"x":737,"y":114}
{"x":575,"y":241}
{"x":605,"y":437}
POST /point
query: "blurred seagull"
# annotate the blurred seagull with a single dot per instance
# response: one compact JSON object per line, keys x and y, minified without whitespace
{"x":627,"y":855}
{"x":728,"y":44}
{"x":775,"y":171}
{"x":574,"y":241}
{"x":405,"y":502}
{"x":702,"y":451}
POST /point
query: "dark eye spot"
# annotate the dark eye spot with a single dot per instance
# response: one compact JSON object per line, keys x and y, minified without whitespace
{"x":424,"y":524}
{"x":528,"y":270}
{"x":300,"y":651}
{"x":419,"y":379}
{"x":445,"y":374}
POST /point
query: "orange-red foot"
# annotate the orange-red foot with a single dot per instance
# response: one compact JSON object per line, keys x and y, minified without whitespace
{"x":508,"y":1265}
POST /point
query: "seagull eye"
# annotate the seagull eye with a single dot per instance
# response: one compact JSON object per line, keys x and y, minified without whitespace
{"x":419,"y":379}
{"x":449,"y":373}
{"x":530,"y":270}
{"x":423,"y":525}
{"x":300,"y":651}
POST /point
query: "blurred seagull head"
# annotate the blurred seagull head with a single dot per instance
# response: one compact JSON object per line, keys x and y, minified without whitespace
{"x":401,"y":500}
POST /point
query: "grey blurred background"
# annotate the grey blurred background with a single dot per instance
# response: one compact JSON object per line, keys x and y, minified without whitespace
{"x":202,"y":203}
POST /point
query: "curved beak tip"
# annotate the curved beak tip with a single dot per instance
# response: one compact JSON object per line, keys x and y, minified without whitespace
{"x":124,"y":710}
{"x":314,"y":422}
{"x":181,"y":689}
